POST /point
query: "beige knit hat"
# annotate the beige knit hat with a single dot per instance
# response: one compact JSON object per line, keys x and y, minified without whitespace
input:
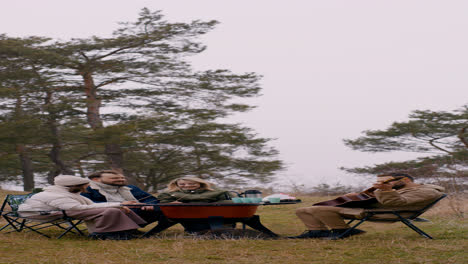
{"x":69,"y":180}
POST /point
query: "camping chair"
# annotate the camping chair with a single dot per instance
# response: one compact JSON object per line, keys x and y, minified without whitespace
{"x":19,"y":223}
{"x":410,"y":216}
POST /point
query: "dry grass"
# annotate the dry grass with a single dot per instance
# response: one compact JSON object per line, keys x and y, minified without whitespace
{"x":384,"y":243}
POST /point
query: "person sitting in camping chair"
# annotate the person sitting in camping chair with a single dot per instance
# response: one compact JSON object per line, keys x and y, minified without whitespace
{"x":112,"y":186}
{"x":112,"y":220}
{"x":396,"y":191}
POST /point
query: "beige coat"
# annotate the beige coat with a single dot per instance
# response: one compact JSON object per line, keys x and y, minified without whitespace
{"x":55,"y":198}
{"x":411,"y":198}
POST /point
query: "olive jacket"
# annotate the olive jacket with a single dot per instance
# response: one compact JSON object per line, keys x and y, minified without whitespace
{"x":195,"y":196}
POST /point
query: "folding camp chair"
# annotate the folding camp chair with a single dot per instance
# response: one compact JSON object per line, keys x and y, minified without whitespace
{"x":404,"y":216}
{"x":16,"y":222}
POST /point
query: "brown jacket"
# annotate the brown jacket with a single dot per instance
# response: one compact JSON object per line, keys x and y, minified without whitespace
{"x":411,"y":198}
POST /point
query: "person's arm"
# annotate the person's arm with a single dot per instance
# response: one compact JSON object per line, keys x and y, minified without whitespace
{"x":142,"y":196}
{"x":165,"y":198}
{"x":394,"y":198}
{"x":67,"y":203}
{"x":224,"y":196}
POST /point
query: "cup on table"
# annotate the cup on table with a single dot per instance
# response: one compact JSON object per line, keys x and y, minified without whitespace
{"x":256,"y":200}
{"x":237,"y":199}
{"x":274,"y":199}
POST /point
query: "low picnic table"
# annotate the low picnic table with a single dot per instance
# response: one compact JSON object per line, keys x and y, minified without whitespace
{"x":214,"y":214}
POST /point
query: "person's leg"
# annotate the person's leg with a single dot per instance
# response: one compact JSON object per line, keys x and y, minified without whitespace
{"x":47,"y":216}
{"x":333,"y":218}
{"x":108,"y":219}
{"x":307,"y":216}
{"x":149,"y":216}
{"x":318,"y":219}
{"x":324,"y":216}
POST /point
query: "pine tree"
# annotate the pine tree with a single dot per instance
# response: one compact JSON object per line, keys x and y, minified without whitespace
{"x":36,"y":104}
{"x":441,"y":136}
{"x":133,"y":103}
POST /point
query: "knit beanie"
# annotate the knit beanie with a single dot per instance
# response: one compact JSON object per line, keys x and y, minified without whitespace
{"x":69,"y":180}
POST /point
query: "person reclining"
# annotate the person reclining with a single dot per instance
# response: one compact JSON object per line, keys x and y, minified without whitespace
{"x":113,"y":220}
{"x":111,"y":186}
{"x":392,"y":191}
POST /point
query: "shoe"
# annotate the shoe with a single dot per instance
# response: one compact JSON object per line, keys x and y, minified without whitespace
{"x":312,"y":234}
{"x":136,"y":232}
{"x":338,"y":233}
{"x":96,"y":236}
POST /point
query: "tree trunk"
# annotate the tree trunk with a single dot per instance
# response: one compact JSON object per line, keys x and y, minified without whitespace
{"x":54,"y":154}
{"x":113,"y":150}
{"x":60,"y":166}
{"x":25,"y":159}
{"x":199,"y":162}
{"x":461,"y":136}
{"x":114,"y":155}
{"x":26,"y":167}
{"x":93,"y":103}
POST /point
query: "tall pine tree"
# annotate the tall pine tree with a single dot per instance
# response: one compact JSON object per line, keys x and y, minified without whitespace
{"x":147,"y":112}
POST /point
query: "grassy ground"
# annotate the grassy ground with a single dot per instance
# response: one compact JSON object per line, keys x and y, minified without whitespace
{"x":383,"y":243}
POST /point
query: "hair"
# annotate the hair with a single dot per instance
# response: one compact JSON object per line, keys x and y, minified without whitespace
{"x":397,"y":174}
{"x":204,"y":185}
{"x":76,"y":188}
{"x":98,"y":174}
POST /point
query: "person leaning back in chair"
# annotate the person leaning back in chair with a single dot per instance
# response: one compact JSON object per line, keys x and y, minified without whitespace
{"x":392,"y":191}
{"x":111,"y":186}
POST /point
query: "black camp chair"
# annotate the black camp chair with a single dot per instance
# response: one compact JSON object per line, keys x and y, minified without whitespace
{"x":17,"y":223}
{"x":410,"y":216}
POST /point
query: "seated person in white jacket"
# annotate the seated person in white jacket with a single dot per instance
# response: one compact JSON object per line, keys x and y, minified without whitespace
{"x":104,"y":220}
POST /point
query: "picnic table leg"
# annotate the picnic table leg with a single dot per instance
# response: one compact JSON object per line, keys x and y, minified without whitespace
{"x":216,"y":222}
{"x":162,"y":225}
{"x":254,"y":222}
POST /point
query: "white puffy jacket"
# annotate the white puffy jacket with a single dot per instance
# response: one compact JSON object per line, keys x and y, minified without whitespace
{"x":59,"y":198}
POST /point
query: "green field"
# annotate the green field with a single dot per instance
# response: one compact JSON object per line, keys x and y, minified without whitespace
{"x":383,"y":243}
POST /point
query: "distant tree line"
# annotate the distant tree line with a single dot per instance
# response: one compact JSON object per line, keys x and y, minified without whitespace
{"x":130,"y":102}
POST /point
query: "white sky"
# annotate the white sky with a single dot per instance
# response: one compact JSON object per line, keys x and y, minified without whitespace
{"x":331,"y":68}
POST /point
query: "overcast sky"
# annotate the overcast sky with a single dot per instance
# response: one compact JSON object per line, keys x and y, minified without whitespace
{"x":332,"y":69}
